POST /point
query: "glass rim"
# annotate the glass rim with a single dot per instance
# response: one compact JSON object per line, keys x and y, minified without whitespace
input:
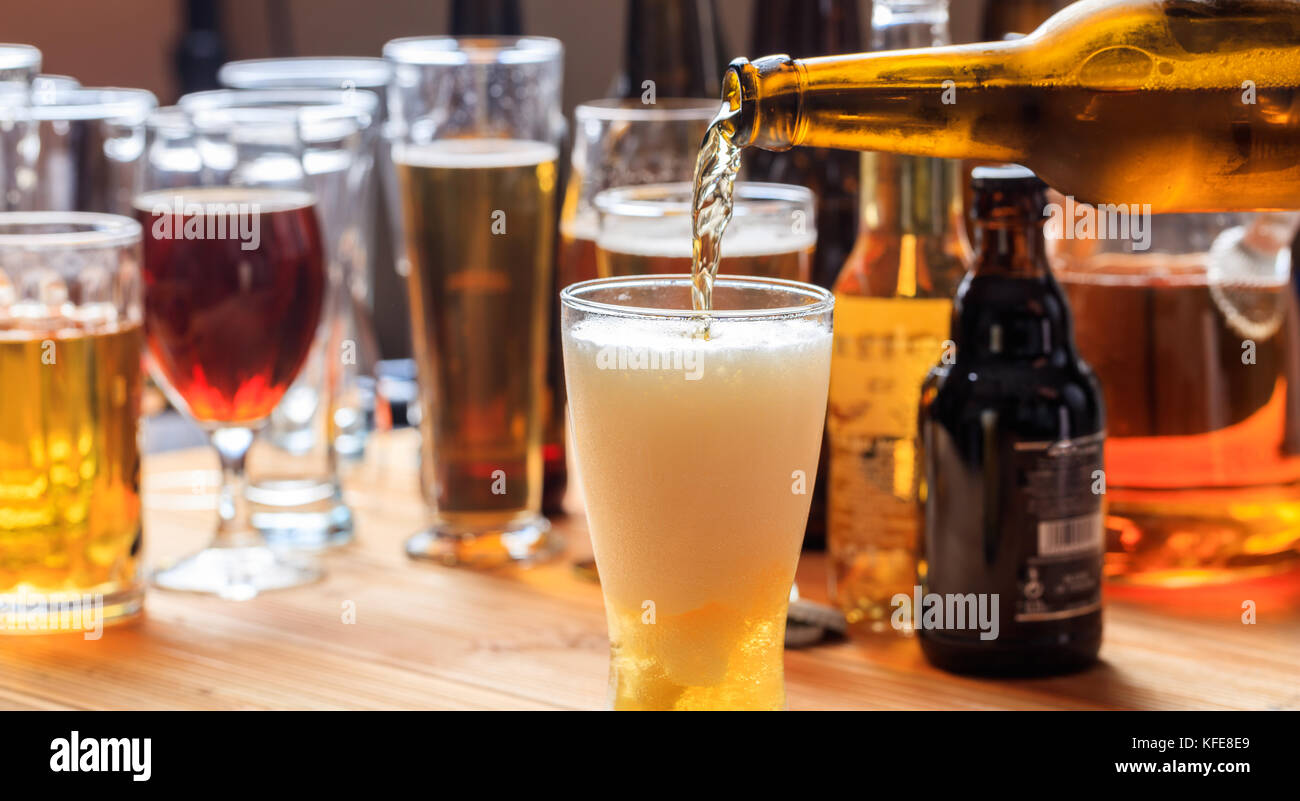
{"x":820,"y":300}
{"x":665,"y":109}
{"x":101,"y":230}
{"x":305,"y":72}
{"x":279,"y":97}
{"x":453,"y":51}
{"x":675,"y":199}
{"x":14,"y":55}
{"x":64,"y":102}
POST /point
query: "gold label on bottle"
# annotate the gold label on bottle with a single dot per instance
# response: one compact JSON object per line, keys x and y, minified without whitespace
{"x":884,"y":347}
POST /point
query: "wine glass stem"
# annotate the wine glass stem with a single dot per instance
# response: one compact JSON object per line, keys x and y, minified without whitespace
{"x":235,"y":529}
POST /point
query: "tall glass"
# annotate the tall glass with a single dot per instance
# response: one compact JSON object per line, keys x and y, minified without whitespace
{"x":322,"y":421}
{"x":698,"y":451}
{"x":235,"y":281}
{"x":385,"y":287}
{"x":70,"y":342}
{"x":646,"y":230}
{"x":474,"y":124}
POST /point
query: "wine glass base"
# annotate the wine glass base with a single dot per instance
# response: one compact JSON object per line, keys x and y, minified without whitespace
{"x":522,"y":543}
{"x":236,"y":574}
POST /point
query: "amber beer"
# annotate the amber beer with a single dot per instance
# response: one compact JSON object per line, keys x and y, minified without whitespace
{"x":479,"y":217}
{"x":760,"y":259}
{"x":1188,"y":105}
{"x":1203,"y":459}
{"x":69,"y":459}
{"x":70,"y":387}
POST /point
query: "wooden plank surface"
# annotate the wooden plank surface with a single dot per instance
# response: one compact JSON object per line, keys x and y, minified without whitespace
{"x":431,"y":637}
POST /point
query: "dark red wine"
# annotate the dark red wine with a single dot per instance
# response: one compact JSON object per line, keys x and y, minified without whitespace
{"x":234,"y":282}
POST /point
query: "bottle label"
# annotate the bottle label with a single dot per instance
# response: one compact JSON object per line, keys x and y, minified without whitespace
{"x":1060,"y":576}
{"x":883,"y":349}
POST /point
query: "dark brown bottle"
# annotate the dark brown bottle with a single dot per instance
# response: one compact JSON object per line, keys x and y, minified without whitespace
{"x":486,"y":18}
{"x":1013,"y":429}
{"x":677,"y":44}
{"x":804,"y":29}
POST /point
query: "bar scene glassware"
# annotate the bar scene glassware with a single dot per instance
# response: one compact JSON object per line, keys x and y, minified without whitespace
{"x":19,"y":66}
{"x":697,"y":444}
{"x":647,"y":230}
{"x":235,"y":284}
{"x":81,"y":150}
{"x":321,"y":424}
{"x":70,"y":343}
{"x":384,"y":280}
{"x":474,"y":126}
{"x":1192,"y":329}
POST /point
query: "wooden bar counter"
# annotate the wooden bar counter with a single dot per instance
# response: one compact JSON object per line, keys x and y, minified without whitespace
{"x":431,"y":637}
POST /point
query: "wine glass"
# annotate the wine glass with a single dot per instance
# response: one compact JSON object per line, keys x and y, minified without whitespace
{"x":234,"y":273}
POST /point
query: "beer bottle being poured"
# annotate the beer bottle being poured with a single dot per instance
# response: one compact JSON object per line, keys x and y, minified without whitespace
{"x":1186,"y":105}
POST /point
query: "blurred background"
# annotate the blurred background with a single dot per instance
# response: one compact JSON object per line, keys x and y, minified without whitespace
{"x":143,"y":44}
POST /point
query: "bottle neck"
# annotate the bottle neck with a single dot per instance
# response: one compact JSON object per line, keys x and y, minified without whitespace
{"x":911,"y":195}
{"x":908,"y":102}
{"x":1009,"y":308}
{"x":1012,"y":248}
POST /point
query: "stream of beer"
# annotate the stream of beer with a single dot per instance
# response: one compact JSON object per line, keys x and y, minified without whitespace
{"x":715,"y":178}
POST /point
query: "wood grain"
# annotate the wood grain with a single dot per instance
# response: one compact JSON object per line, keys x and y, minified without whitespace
{"x":431,"y":637}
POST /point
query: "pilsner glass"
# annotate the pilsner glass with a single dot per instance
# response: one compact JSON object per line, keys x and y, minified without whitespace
{"x":474,"y":125}
{"x":647,"y":230}
{"x":321,"y":423}
{"x":70,"y":382}
{"x":19,"y":66}
{"x":234,"y":268}
{"x":697,"y":451}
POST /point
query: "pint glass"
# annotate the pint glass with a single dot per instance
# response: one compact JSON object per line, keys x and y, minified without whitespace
{"x":697,"y":446}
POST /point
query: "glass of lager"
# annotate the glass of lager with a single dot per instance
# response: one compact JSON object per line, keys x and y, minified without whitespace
{"x":697,"y":440}
{"x":646,"y":230}
{"x":70,"y":347}
{"x":474,"y":127}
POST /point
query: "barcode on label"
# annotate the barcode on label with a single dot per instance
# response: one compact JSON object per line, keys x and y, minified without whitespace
{"x":1071,"y":535}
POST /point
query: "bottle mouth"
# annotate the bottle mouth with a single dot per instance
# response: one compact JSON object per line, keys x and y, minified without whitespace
{"x":763,"y":101}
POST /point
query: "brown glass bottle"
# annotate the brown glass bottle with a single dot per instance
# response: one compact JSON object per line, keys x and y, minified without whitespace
{"x":1013,"y":430}
{"x":676,"y":44}
{"x":893,"y":303}
{"x":802,"y":29}
{"x":1186,"y":105}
